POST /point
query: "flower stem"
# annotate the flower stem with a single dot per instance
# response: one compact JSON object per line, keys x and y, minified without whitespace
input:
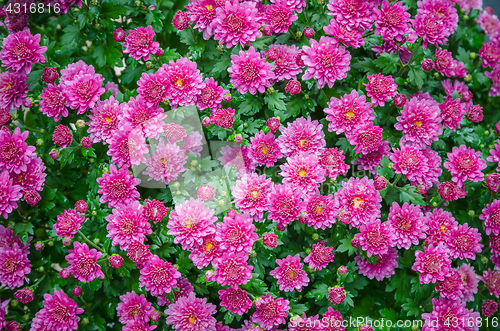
{"x":90,"y":242}
{"x":194,"y":36}
{"x":398,"y":177}
{"x":413,"y":52}
{"x":38,"y":282}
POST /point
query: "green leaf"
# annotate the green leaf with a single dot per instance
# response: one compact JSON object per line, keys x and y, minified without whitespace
{"x":387,"y":62}
{"x":411,"y":307}
{"x":417,"y":75}
{"x":88,"y":152}
{"x":410,"y":195}
{"x":250,"y":106}
{"x":99,"y":56}
{"x":228,"y":317}
{"x":275,"y":101}
{"x":346,"y":246}
{"x":365,"y":65}
{"x":463,"y":55}
{"x":222,"y":64}
{"x":320,"y":291}
{"x":401,"y":283}
{"x":71,"y":34}
{"x":82,"y":21}
{"x":297,"y":308}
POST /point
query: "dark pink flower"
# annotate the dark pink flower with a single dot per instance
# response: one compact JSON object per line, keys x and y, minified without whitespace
{"x":24,"y":295}
{"x":13,"y":89}
{"x":14,"y":265}
{"x":490,"y":53}
{"x":232,"y":269}
{"x":380,"y":88}
{"x":211,"y":95}
{"x":205,"y":253}
{"x":407,"y":224}
{"x":445,"y":310}
{"x":463,"y":242}
{"x":50,"y":75}
{"x":183,"y":80}
{"x":223,"y":118}
{"x":289,"y":274}
{"x":392,"y":20}
{"x":319,"y":257}
{"x":68,"y":223}
{"x":433,"y":263}
{"x":191,"y":313}
{"x":20,"y":50}
{"x":180,"y":20}
{"x":153,"y":90}
{"x":285,"y":204}
{"x":465,"y":163}
{"x":439,"y":224}
{"x":53,"y":102}
{"x":158,"y":277}
{"x":293,"y":87}
{"x":353,"y":13}
{"x":118,"y":187}
{"x":270,"y":312}
{"x":384,"y":267}
{"x":345,"y":34}
{"x":235,"y":300}
{"x":142,"y":117}
{"x":249,"y":72}
{"x":83,"y":262}
{"x":488,"y":22}
{"x":375,"y":237}
{"x":348,"y":112}
{"x":264,"y":149}
{"x":336,"y":295}
{"x":58,"y":313}
{"x":270,"y":240}
{"x":279,"y":16}
{"x":475,"y":113}
{"x":119,"y":35}
{"x":489,"y":307}
{"x":155,"y":210}
{"x":104,"y":120}
{"x":139,"y":43}
{"x":127,"y":224}
{"x":134,"y":308}
{"x":62,"y":137}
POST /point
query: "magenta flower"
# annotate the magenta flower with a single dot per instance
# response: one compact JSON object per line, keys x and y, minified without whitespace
{"x":348,"y":112}
{"x":465,"y":163}
{"x":384,"y":266}
{"x":232,"y":269}
{"x":134,"y":308}
{"x":435,"y":21}
{"x":494,"y":75}
{"x":138,"y":253}
{"x":9,"y":194}
{"x":319,"y":257}
{"x":279,"y":16}
{"x":58,"y":313}
{"x":61,"y":136}
{"x":167,"y":162}
{"x":127,"y":224}
{"x":326,"y":61}
{"x":303,"y":172}
{"x":433,"y":263}
{"x":211,"y":95}
{"x":270,"y":312}
{"x":439,"y":224}
{"x":376,"y":237}
{"x":20,"y":50}
{"x":357,"y":14}
{"x":289,"y":273}
{"x":83,"y":262}
{"x":24,"y":295}
{"x":452,"y":112}
{"x":347,"y":35}
{"x":127,"y":146}
{"x":380,"y":88}
{"x":155,"y":210}
{"x":104,"y":120}
{"x":235,"y":300}
{"x":249,"y":72}
{"x":332,"y":160}
{"x":14,"y":264}
{"x":13,"y":89}
{"x":366,"y":138}
{"x":488,"y":22}
{"x":236,"y":22}
{"x":264,"y":149}
{"x":360,"y":199}
{"x":445,"y":310}
{"x":286,"y":66}
{"x":489,"y":307}
{"x":53,"y":102}
{"x":285,"y":204}
{"x":410,"y":161}
{"x":15,"y":153}
{"x":495,"y":154}
{"x":491,"y":217}
{"x":251,"y":194}
{"x":490,"y":53}
{"x":407,"y":223}
{"x":183,"y":80}
{"x":302,"y":135}
{"x":321,"y":211}
{"x":152,"y":89}
{"x":139,"y":43}
{"x":191,"y":313}
{"x":239,"y":157}
{"x":223,"y":118}
{"x":68,"y":223}
{"x":469,"y":281}
{"x":202,"y":13}
{"x":420,"y":122}
{"x":236,"y":234}
{"x":158,"y":277}
{"x":148,"y":119}
{"x":83,"y":91}
{"x":190,"y":222}
{"x":392,"y":21}
{"x":463,"y":242}
{"x":202,"y":255}
{"x":118,"y":187}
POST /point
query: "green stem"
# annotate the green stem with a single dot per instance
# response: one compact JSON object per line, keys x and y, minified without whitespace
{"x":413,"y":52}
{"x":478,"y":62}
{"x":369,"y":33}
{"x":194,"y":36}
{"x":85,"y":6}
{"x":398,"y":177}
{"x":90,"y":242}
{"x":38,"y":282}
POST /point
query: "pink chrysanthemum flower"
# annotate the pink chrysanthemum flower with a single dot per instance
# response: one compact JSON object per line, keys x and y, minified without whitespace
{"x":61,"y":136}
{"x":83,"y":91}
{"x":191,"y":313}
{"x":495,"y":154}
{"x":359,"y":198}
{"x":104,"y":120}
{"x":240,"y":158}
{"x":127,"y":224}
{"x":184,"y":82}
{"x":463,"y":242}
{"x":380,"y":88}
{"x":289,"y":274}
{"x":251,"y":194}
{"x":83,"y":262}
{"x":138,"y":326}
{"x":357,"y":14}
{"x":155,"y":210}
{"x":205,"y":253}
{"x":489,"y":307}
{"x":493,"y":182}
{"x":372,"y":160}
{"x":285,"y":204}
{"x":452,"y":286}
{"x":407,"y":223}
{"x":469,"y":281}
{"x":249,"y":72}
{"x":167,"y":162}
{"x":127,"y":146}
{"x":232,"y":269}
{"x":321,"y":211}
{"x":236,"y":234}
{"x":14,"y":265}
{"x":326,"y":61}
{"x":211,"y":95}
{"x":475,"y":113}
{"x":420,"y":122}
{"x":336,"y":295}
{"x":285,"y":64}
{"x":384,"y":266}
{"x":270,"y":312}
{"x":494,"y":75}
{"x":296,"y":5}
{"x":59,"y":313}
{"x":433,"y":263}
{"x":449,"y":191}
{"x":68,"y":223}
{"x":148,"y":119}
{"x":138,"y":253}
{"x":9,"y":194}
{"x":298,"y":323}
{"x":15,"y":153}
{"x":302,"y":135}
{"x":366,"y":138}
{"x":452,"y":112}
{"x":24,"y":295}
{"x":347,"y":35}
{"x":491,"y":280}
{"x":392,"y":20}
{"x":193,"y":142}
{"x":13,"y":89}
{"x":495,"y":244}
{"x":134,"y":307}
{"x":332,"y":160}
{"x":410,"y":161}
{"x":202,"y":13}
{"x":235,"y":300}
{"x":237,"y":22}
{"x":113,"y":87}
{"x":445,"y":310}
{"x":490,"y":53}
{"x":139,"y":43}
{"x":279,"y":16}
{"x":375,"y":237}
{"x":185,"y":288}
{"x":491,"y":217}
{"x":303,"y":172}
{"x":158,"y":277}
{"x":319,"y":257}
{"x":439,"y":224}
{"x":488,"y":22}
{"x":430,"y":27}
{"x":118,"y":187}
{"x":264,"y":149}
{"x":33,"y":178}
{"x":332,"y":320}
{"x":53,"y":102}
{"x":152,"y":89}
{"x":174,"y":132}
{"x":190,"y":222}
{"x":465,"y":163}
{"x":223,"y":118}
{"x":20,"y":50}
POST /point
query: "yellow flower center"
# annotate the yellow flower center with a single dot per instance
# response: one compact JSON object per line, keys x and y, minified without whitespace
{"x":302,"y":172}
{"x":291,"y":274}
{"x":302,"y":142}
{"x":264,"y":150}
{"x":210,"y":7}
{"x":255,"y":193}
{"x":350,"y":114}
{"x":108,"y":119}
{"x":418,"y":123}
{"x":192,"y":319}
{"x":179,"y":82}
{"x":209,"y":246}
{"x":357,"y":202}
{"x":8,"y":85}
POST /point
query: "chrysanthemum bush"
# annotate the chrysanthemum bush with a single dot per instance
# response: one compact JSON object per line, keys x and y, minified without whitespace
{"x":214,"y":165}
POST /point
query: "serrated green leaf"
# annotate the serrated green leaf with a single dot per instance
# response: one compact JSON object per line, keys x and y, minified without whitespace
{"x":410,"y":195}
{"x":275,"y":101}
{"x":417,"y":75}
{"x":250,"y":106}
{"x":387,"y":62}
{"x":346,"y":246}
